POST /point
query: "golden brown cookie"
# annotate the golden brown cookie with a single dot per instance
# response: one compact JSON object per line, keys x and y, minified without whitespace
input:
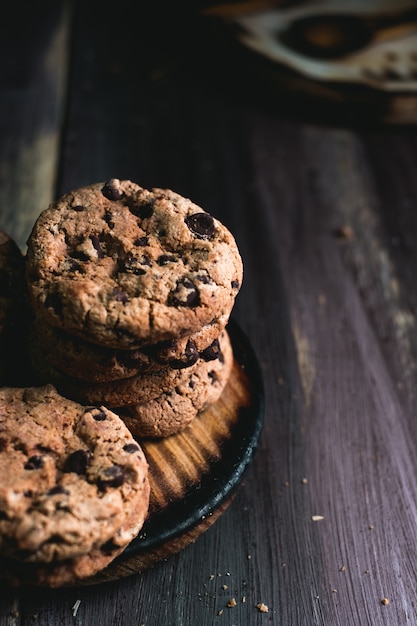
{"x":76,"y":358}
{"x":122,"y":266}
{"x":73,"y":482}
{"x":173,"y":410}
{"x":136,"y":389}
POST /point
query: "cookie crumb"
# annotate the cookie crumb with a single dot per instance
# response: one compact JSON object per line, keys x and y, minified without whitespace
{"x":385,"y":601}
{"x":220,"y":612}
{"x":76,"y":607}
{"x":342,"y":568}
{"x":225,"y":587}
{"x":243,"y":598}
{"x":304,"y":481}
{"x":317,"y":518}
{"x":371,"y":526}
{"x":262,"y":608}
{"x":232,"y":602}
{"x":343,"y":232}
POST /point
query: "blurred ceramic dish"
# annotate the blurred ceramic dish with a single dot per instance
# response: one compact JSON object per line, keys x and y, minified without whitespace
{"x":371,"y":43}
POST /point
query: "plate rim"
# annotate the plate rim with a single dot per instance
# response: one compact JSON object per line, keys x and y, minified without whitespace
{"x":191,"y":510}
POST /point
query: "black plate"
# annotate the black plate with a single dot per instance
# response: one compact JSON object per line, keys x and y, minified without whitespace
{"x":224,"y":475}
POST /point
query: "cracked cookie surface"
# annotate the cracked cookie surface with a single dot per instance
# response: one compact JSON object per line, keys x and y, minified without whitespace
{"x":89,"y":362}
{"x":73,"y":480}
{"x":174,"y":410}
{"x":136,"y":389}
{"x":122,"y":266}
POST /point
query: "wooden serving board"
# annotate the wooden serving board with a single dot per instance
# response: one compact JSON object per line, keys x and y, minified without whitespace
{"x":194,"y":474}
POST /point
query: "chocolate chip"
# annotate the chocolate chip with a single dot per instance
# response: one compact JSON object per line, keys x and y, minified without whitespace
{"x":141,"y":241}
{"x":57,"y":490}
{"x":3,"y":515}
{"x":97,"y":246}
{"x":19,"y":446}
{"x":73,"y":265}
{"x":201,"y":224}
{"x":78,"y":462}
{"x":203,"y":278}
{"x":164,"y":259}
{"x":78,"y":207}
{"x":185,"y":294}
{"x":109,"y":547}
{"x":112,"y":477}
{"x":188,"y":358}
{"x":213,"y":377}
{"x":108,"y":218}
{"x":235,"y":284}
{"x":140,"y":208}
{"x":112,"y":189}
{"x":80,"y":255}
{"x":131,"y":447}
{"x":212,"y":352}
{"x":34,"y":462}
{"x":133,"y":264}
{"x":3,"y":444}
{"x":99,"y":415}
{"x":53,"y":301}
{"x":119,"y":295}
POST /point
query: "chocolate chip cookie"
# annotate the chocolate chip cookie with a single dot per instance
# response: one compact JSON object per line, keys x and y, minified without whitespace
{"x":74,"y":486}
{"x":68,"y":571}
{"x":122,"y":266}
{"x":172,"y":411}
{"x":89,"y":362}
{"x":136,"y":389}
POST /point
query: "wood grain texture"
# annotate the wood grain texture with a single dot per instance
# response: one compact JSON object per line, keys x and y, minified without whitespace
{"x":332,"y":318}
{"x":34,"y":49}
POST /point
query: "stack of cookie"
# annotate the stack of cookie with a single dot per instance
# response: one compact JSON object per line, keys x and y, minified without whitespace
{"x":131,"y":291}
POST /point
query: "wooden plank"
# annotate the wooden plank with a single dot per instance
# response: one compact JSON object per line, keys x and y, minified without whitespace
{"x":33,"y":76}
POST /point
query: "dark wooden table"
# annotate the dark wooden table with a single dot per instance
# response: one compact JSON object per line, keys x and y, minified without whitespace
{"x":323,"y":529}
